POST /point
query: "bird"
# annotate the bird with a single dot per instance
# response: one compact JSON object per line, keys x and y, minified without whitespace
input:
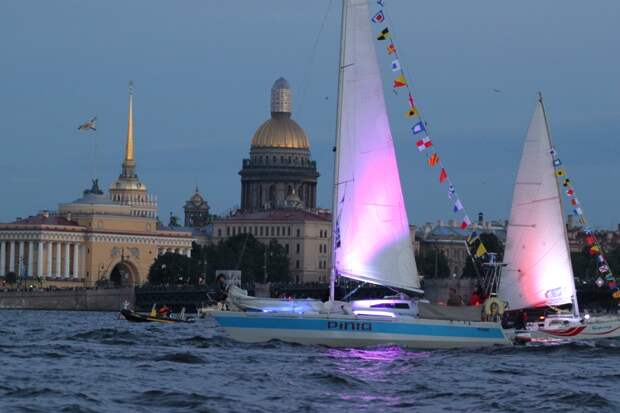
{"x":497,"y":91}
{"x":89,"y":125}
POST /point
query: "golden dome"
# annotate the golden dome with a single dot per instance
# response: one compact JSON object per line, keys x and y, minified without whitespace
{"x":280,"y":132}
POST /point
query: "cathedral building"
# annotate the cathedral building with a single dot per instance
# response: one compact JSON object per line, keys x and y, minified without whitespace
{"x":99,"y":238}
{"x":278,"y":195}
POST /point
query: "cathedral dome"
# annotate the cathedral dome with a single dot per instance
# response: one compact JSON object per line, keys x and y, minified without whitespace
{"x":280,"y":131}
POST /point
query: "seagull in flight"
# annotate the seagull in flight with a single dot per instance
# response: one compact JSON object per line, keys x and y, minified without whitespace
{"x":89,"y":125}
{"x":497,"y":91}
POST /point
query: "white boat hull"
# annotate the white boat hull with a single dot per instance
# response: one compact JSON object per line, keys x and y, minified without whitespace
{"x":592,"y":330}
{"x":359,"y":331}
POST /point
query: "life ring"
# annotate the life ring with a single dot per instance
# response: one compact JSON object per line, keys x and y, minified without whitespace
{"x":493,"y":309}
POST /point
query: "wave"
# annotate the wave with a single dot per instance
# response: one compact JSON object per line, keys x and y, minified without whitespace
{"x":112,"y":335}
{"x":174,"y":399}
{"x":185,"y":358}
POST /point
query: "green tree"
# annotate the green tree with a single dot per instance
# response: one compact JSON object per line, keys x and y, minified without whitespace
{"x":493,"y":245}
{"x":172,"y":269}
{"x":11,"y":278}
{"x":433,"y":262}
{"x":245,"y":253}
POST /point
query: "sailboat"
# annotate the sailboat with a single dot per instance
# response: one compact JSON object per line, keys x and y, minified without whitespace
{"x":371,"y":241}
{"x":538,"y":272}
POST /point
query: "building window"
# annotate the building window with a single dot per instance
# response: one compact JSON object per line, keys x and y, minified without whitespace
{"x":228,"y":231}
{"x":278,"y":231}
{"x":288,"y":232}
{"x":298,"y":248}
{"x":261,"y":231}
{"x":298,"y":233}
{"x":273,"y":231}
{"x":219,"y":232}
{"x":255,"y":230}
{"x":297,"y":264}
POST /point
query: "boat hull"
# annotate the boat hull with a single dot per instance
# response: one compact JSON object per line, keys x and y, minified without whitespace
{"x":143,"y":318}
{"x":354,"y":331}
{"x":593,"y":330}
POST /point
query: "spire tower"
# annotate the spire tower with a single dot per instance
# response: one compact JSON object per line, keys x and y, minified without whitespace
{"x":129,"y":163}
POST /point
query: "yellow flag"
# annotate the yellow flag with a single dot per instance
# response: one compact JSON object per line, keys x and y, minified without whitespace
{"x":481,"y":250}
{"x":560,"y":172}
{"x":412,"y":112}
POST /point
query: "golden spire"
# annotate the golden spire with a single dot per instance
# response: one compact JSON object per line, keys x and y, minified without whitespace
{"x":129,"y":144}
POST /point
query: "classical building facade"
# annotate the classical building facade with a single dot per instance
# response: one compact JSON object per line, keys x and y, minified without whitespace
{"x":196,"y":211}
{"x":111,"y":237}
{"x":278,"y":195}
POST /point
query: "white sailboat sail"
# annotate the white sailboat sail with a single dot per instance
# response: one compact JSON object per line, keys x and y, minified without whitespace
{"x":539,"y":270}
{"x":372,"y":239}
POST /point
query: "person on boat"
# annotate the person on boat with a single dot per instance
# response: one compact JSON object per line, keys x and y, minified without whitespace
{"x":221,"y":290}
{"x":475,"y":298}
{"x":164,"y":311}
{"x":454,"y":299}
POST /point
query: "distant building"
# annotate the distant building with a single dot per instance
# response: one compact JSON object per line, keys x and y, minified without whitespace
{"x":196,"y":211}
{"x":278,"y":195}
{"x":450,"y":240}
{"x":112,"y":238}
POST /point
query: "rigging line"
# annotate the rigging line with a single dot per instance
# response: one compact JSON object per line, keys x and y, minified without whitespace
{"x":304,"y":82}
{"x":420,"y":116}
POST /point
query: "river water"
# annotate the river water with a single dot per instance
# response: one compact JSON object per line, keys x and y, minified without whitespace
{"x":94,"y":362}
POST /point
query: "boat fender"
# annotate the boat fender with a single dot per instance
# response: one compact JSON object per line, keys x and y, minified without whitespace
{"x":493,"y":307}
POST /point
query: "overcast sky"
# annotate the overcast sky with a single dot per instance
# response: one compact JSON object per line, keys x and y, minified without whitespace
{"x":203,"y":71}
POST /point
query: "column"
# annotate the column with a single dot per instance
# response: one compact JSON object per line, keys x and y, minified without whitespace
{"x":12,"y":256}
{"x":30,"y":259}
{"x":50,"y":246}
{"x":188,"y":252}
{"x":67,"y":259}
{"x":2,"y":258}
{"x":76,"y":254}
{"x":58,"y":258}
{"x":20,"y":259}
{"x":40,"y":259}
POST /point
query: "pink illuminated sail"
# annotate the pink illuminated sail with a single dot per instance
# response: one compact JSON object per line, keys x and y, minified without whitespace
{"x":539,"y":270}
{"x":372,"y":240}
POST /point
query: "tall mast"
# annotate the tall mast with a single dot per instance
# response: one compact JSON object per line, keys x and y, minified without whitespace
{"x":574,"y":297}
{"x":332,"y":278}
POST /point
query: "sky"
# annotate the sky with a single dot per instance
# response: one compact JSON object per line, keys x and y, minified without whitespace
{"x":202,"y":73}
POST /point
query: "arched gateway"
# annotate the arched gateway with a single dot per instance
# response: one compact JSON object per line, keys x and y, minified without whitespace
{"x":123,"y":274}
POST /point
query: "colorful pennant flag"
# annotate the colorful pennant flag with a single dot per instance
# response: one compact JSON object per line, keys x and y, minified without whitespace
{"x":418,"y":128}
{"x":400,"y":81}
{"x":413,"y":111}
{"x":411,"y":100}
{"x":560,"y":172}
{"x":451,"y":191}
{"x":433,"y":159}
{"x":589,"y":240}
{"x":552,"y":152}
{"x":466,"y":222}
{"x":380,"y":2}
{"x":384,"y":34}
{"x":378,"y":18}
{"x":574,"y":201}
{"x":391,"y":48}
{"x":395,"y":65}
{"x":578,"y":211}
{"x":595,"y":249}
{"x":603,"y":268}
{"x":581,"y":220}
{"x":458,"y":206}
{"x":566,"y":182}
{"x":481,"y":250}
{"x":442,"y":176}
{"x":557,"y":162}
{"x":424,"y":143}
{"x":600,"y":259}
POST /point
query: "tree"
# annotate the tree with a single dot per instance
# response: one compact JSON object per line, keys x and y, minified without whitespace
{"x":433,"y":262}
{"x":11,"y":278}
{"x":493,"y":245}
{"x":245,"y":253}
{"x":172,"y":268}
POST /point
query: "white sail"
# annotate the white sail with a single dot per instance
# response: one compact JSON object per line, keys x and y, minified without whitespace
{"x":372,"y":240}
{"x":539,"y":270}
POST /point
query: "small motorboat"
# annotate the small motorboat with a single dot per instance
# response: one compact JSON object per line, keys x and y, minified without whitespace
{"x":155,"y":317}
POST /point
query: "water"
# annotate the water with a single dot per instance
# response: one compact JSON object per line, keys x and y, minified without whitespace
{"x":93,"y":362}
